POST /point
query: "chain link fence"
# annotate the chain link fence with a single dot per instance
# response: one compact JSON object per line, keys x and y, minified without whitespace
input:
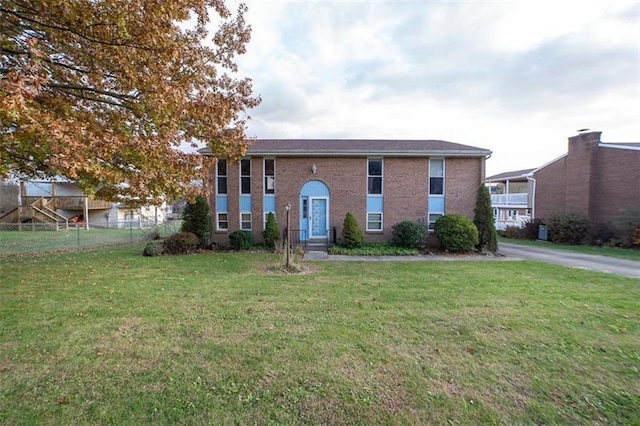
{"x":24,"y":238}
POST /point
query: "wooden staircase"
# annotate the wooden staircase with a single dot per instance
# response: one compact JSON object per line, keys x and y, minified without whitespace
{"x":40,"y":211}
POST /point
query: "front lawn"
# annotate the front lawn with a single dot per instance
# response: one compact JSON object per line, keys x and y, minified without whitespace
{"x":110,"y":337}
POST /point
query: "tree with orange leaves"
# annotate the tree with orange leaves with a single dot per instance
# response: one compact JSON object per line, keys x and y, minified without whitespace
{"x":104,"y":92}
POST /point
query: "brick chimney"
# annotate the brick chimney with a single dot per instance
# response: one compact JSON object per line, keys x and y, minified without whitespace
{"x":581,"y":172}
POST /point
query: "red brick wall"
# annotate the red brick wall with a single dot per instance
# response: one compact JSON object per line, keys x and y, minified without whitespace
{"x":617,"y":184}
{"x":581,"y":167}
{"x":551,"y":184}
{"x":463,"y":177}
{"x":405,"y":186}
{"x":593,"y":180}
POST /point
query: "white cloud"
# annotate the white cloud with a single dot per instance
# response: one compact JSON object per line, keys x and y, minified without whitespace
{"x":515,"y":77}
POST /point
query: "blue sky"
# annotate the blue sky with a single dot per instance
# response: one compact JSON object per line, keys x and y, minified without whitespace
{"x":515,"y":77}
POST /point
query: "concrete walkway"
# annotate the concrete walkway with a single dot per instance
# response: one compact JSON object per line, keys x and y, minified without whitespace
{"x":322,"y":255}
{"x":509,"y":252}
{"x":612,"y":265}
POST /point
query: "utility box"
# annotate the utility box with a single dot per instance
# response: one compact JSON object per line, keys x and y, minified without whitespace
{"x":542,"y":233}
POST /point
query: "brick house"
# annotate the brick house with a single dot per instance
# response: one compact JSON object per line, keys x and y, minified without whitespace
{"x":382,"y":182}
{"x":596,"y":179}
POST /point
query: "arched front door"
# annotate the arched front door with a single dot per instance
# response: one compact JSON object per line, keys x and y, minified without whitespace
{"x":314,"y":210}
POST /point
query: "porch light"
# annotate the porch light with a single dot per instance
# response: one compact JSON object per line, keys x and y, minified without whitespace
{"x":314,"y":169}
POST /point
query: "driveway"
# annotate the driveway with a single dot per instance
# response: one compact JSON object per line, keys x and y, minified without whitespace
{"x":626,"y":268}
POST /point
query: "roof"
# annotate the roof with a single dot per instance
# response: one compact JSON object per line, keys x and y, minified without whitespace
{"x":634,"y":146}
{"x":517,"y":174}
{"x":359,"y":147}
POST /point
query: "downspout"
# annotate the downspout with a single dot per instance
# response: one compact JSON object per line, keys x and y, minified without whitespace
{"x":533,"y":197}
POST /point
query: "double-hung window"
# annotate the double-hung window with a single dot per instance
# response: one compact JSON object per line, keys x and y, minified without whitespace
{"x":222,"y":221}
{"x":436,"y":190}
{"x":221,"y":177}
{"x":269,"y":176}
{"x":374,"y":194}
{"x":245,"y":221}
{"x":222,"y":216}
{"x":245,"y":176}
{"x":374,"y":176}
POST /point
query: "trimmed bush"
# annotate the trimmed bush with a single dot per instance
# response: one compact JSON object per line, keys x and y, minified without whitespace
{"x":568,"y":228}
{"x":530,"y":229}
{"x":181,"y":243}
{"x":408,"y":234}
{"x":484,"y":222}
{"x":241,"y":240}
{"x":512,"y":232}
{"x":153,"y":248}
{"x":197,"y":220}
{"x":271,"y":232}
{"x":352,"y":236}
{"x":456,"y":233}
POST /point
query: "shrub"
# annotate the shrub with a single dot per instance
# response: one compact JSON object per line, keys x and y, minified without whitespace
{"x":181,"y":243}
{"x":408,"y":234}
{"x":456,"y":233}
{"x":568,"y":228}
{"x":600,"y":234}
{"x":153,"y":248}
{"x":627,"y":227}
{"x":530,"y":229}
{"x":484,"y":222}
{"x":241,"y":240}
{"x":511,"y":232}
{"x":271,"y":232}
{"x":352,"y":235}
{"x":197,"y":220}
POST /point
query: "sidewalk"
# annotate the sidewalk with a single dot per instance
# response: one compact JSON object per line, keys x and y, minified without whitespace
{"x":322,"y":255}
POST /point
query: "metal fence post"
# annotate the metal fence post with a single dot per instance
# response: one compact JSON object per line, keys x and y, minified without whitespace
{"x":78,"y":235}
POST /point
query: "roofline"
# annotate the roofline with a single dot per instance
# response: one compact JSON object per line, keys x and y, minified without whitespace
{"x":523,"y":176}
{"x":619,"y":146}
{"x":359,"y":153}
{"x":546,"y":164}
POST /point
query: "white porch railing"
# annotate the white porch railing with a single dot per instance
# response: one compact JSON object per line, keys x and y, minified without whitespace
{"x":510,"y":199}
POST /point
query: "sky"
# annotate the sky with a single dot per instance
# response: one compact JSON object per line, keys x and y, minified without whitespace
{"x":515,"y":77}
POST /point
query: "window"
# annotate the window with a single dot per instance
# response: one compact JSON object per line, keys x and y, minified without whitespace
{"x":245,"y":176}
{"x":305,"y":208}
{"x":374,"y":221}
{"x":269,"y":176}
{"x":374,"y":176}
{"x":223,"y":222}
{"x":245,"y":221}
{"x":436,"y":177}
{"x":433,"y":217}
{"x":221,"y":173}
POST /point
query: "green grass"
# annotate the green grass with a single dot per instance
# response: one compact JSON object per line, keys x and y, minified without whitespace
{"x":42,"y":241}
{"x":620,"y":253}
{"x":374,"y":249}
{"x":110,"y":337}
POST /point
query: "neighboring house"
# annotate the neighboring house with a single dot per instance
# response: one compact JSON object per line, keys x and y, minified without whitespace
{"x":58,"y":202}
{"x":596,"y":179}
{"x":382,"y":182}
{"x":511,"y":197}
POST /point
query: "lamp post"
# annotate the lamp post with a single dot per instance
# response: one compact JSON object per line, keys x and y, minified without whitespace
{"x":288,"y":242}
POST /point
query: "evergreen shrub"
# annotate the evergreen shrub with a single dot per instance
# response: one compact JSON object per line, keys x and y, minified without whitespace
{"x":271,"y":232}
{"x":153,"y":248}
{"x":456,"y":233}
{"x":181,"y":243}
{"x":352,"y":236}
{"x":241,"y":240}
{"x":568,"y":228}
{"x":408,"y":234}
{"x":484,"y":221}
{"x":197,"y":220}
